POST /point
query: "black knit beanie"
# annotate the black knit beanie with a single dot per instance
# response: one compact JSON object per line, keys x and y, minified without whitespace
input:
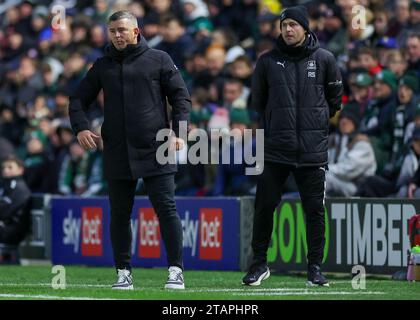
{"x":297,"y":13}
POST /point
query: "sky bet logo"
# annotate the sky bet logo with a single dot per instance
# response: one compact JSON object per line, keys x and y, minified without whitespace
{"x":92,"y":232}
{"x":208,"y":228}
{"x":210,"y":234}
{"x":202,"y":234}
{"x":149,"y":240}
{"x":90,"y":227}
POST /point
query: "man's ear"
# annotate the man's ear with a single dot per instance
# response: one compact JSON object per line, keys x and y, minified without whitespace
{"x":136,"y":31}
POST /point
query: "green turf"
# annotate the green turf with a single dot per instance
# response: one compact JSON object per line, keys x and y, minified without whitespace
{"x":34,"y":282}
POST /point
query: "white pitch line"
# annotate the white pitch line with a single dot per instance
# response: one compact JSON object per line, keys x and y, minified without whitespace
{"x":46,"y":296}
{"x":235,"y":291}
{"x":49,"y":285}
{"x":248,"y":289}
{"x":314,"y":293}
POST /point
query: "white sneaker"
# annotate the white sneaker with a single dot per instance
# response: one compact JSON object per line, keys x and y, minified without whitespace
{"x":124,"y":281}
{"x":175,"y":279}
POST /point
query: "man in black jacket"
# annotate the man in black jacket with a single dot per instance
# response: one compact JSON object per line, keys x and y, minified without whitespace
{"x":14,"y":201}
{"x":136,"y":81}
{"x":296,"y":88}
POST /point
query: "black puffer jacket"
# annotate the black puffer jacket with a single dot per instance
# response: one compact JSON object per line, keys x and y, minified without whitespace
{"x":136,"y":83}
{"x":296,"y":91}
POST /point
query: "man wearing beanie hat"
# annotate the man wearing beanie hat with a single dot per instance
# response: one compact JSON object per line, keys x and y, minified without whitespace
{"x":361,"y":91}
{"x":296,"y":88}
{"x":410,"y":81}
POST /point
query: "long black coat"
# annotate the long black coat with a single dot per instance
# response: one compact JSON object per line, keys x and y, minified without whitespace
{"x":136,"y":83}
{"x":296,"y":95}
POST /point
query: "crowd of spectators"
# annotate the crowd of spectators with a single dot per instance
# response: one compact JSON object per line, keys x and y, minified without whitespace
{"x":375,"y":139}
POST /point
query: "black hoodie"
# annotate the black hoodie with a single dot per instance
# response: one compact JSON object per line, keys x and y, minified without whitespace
{"x":296,"y":90}
{"x":136,"y":83}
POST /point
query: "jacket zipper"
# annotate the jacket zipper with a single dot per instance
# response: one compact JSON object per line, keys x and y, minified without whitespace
{"x":297,"y":114}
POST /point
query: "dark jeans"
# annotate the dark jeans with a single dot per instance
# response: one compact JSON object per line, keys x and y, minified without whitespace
{"x":161,"y":190}
{"x":311,"y":185}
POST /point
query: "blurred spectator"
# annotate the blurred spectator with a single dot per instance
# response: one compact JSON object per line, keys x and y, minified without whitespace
{"x":369,"y":60}
{"x":229,"y":41}
{"x":175,"y":40}
{"x":63,"y":136}
{"x":96,"y":184}
{"x":6,"y":148}
{"x":385,"y":46}
{"x":231,"y":178}
{"x":12,"y":125}
{"x":383,"y":186}
{"x":28,"y":81}
{"x":39,"y":108}
{"x":413,"y":23}
{"x":234,"y":94}
{"x":409,"y":178}
{"x":14,"y":202}
{"x":241,"y":69}
{"x":162,"y":7}
{"x":333,"y":32}
{"x":265,"y":25}
{"x":361,"y":92}
{"x":80,"y":27}
{"x":150,"y":29}
{"x":351,"y":156}
{"x":98,"y":37}
{"x":402,"y":117}
{"x":74,"y":171}
{"x":37,"y":163}
{"x":211,"y":42}
{"x":377,"y":121}
{"x":413,"y":51}
{"x":51,"y":71}
{"x":101,"y":11}
{"x":402,"y":15}
{"x":396,"y":170}
{"x":412,"y":125}
{"x":61,"y":102}
{"x":201,"y":109}
{"x":396,"y":62}
{"x":196,"y":13}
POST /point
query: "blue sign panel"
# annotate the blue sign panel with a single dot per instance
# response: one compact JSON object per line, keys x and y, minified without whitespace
{"x":80,"y":233}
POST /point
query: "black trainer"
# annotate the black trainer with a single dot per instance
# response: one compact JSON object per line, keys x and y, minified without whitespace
{"x":315,"y":277}
{"x":256,"y":275}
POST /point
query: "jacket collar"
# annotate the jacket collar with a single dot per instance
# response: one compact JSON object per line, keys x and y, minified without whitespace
{"x":297,"y":53}
{"x":130,"y":51}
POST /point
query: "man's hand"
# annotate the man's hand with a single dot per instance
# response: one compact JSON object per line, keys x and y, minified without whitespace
{"x":87,"y":139}
{"x":176,"y":144}
{"x":411,"y":188}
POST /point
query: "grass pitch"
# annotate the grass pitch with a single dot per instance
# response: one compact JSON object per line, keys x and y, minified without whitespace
{"x":86,"y":283}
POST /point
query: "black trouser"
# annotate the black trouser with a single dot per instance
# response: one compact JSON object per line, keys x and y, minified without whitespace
{"x":161,"y":191}
{"x":311,"y":186}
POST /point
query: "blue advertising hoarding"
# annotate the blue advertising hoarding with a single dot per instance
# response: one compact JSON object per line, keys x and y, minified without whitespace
{"x":80,"y":233}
